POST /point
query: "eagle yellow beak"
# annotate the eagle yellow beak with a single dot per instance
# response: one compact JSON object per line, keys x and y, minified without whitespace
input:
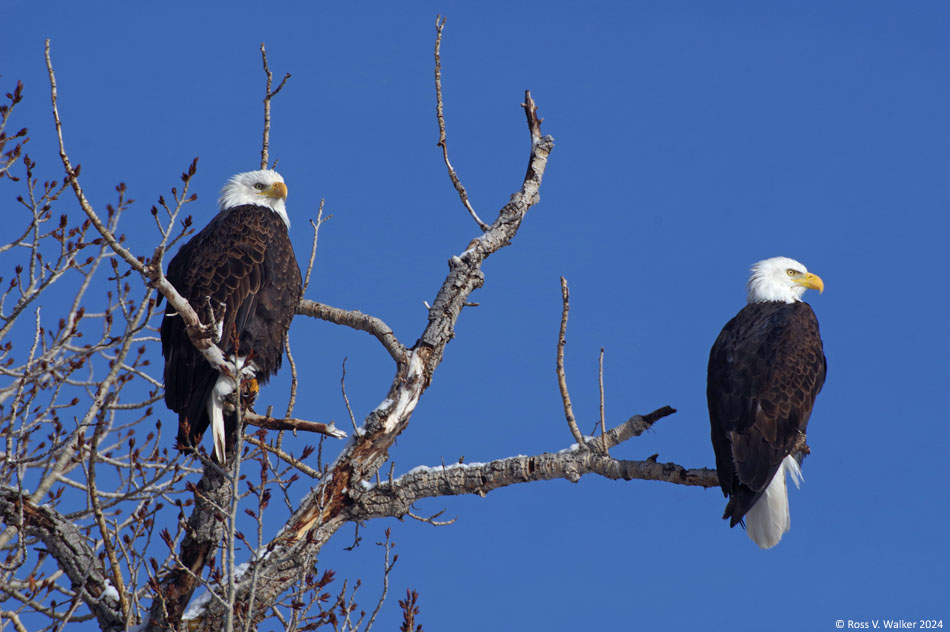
{"x":277,"y":190}
{"x":811,"y":281}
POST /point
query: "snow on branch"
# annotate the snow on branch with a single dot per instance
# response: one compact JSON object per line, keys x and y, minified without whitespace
{"x":395,"y":498}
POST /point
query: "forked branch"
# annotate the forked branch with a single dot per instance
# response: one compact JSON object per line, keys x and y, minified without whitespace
{"x":268,"y":95}
{"x":327,"y":508}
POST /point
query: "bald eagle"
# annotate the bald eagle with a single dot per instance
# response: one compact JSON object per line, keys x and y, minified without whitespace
{"x":765,"y":370}
{"x":241,"y":268}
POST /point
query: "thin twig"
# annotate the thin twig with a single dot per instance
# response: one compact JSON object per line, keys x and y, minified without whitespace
{"x":287,"y":458}
{"x":100,"y":518}
{"x":313,"y":248}
{"x":346,"y":400}
{"x":387,"y":568}
{"x":73,"y":176}
{"x":432,"y":519}
{"x":603,"y":425}
{"x":291,"y":423}
{"x":561,"y":377}
{"x":463,"y":195}
{"x":268,"y":95}
{"x":293,"y":375}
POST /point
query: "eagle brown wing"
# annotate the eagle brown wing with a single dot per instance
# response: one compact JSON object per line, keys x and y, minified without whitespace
{"x":765,"y":370}
{"x":242,"y":264}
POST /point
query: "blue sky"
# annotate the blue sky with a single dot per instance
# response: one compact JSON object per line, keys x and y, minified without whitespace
{"x":693,"y":139}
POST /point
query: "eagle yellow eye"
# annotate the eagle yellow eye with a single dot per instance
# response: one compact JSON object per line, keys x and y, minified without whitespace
{"x":259,"y":186}
{"x":791,"y":272}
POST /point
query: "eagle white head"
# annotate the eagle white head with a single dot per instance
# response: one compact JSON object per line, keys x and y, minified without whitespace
{"x":781,"y":279}
{"x":264,"y":187}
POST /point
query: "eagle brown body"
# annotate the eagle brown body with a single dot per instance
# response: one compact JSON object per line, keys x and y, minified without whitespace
{"x":765,"y":370}
{"x":242,"y":265}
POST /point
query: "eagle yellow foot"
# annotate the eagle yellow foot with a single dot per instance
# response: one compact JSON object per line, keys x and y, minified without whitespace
{"x":800,"y":445}
{"x":249,"y":390}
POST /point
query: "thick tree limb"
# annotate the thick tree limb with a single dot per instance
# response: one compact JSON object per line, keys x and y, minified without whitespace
{"x":205,"y":531}
{"x":68,"y":547}
{"x":395,"y":498}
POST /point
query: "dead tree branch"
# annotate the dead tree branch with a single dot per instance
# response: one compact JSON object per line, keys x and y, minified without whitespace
{"x":561,"y":375}
{"x":463,"y":195}
{"x":395,"y":498}
{"x":324,"y":510}
{"x":66,"y":544}
{"x":603,"y":426}
{"x":291,"y":423}
{"x":356,"y":320}
{"x":268,"y":95}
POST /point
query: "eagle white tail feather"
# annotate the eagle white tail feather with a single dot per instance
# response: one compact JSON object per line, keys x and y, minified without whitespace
{"x":768,"y":520}
{"x":217,"y":428}
{"x":222,"y":390}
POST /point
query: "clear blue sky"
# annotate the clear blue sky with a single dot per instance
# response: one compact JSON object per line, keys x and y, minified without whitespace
{"x":693,"y":139}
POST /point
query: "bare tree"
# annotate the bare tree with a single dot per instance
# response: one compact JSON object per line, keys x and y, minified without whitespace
{"x":103,"y":524}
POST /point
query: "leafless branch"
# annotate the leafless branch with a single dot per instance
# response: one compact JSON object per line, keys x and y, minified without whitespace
{"x":292,"y":400}
{"x":14,"y":618}
{"x":66,"y":544}
{"x":346,"y":400}
{"x":324,"y":510}
{"x":410,"y":610}
{"x":432,"y":519}
{"x":313,"y":248}
{"x":396,"y":498}
{"x":561,"y":375}
{"x":73,"y":175}
{"x":356,"y":320}
{"x":389,"y":561}
{"x":117,"y":579}
{"x":287,"y":458}
{"x":463,"y":195}
{"x":268,"y":95}
{"x":603,"y":427}
{"x":290,"y":423}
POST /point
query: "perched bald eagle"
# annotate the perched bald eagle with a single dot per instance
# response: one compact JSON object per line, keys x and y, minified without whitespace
{"x":765,"y":370}
{"x":242,"y":267}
